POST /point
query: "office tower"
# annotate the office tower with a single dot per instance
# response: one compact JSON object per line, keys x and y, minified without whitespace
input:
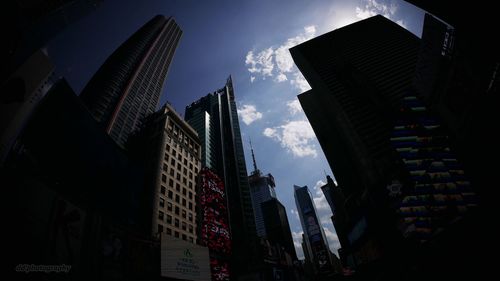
{"x":336,"y":199}
{"x":127,"y":87}
{"x":261,"y":190}
{"x":358,"y":75}
{"x":215,"y":119}
{"x":277,"y":226}
{"x":33,"y":23}
{"x":315,"y":239}
{"x":71,"y":189}
{"x":170,"y":152}
{"x":21,"y":94}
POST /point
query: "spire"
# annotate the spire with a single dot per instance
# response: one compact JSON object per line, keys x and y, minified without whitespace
{"x":253,"y":156}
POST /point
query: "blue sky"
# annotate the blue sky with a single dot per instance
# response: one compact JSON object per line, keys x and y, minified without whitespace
{"x":248,"y":40}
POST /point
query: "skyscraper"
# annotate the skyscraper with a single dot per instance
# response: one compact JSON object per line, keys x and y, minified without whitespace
{"x":277,"y":225}
{"x":169,"y":150}
{"x":127,"y":87}
{"x":215,"y":119}
{"x":315,"y":239}
{"x":262,"y":190}
{"x":358,"y":74}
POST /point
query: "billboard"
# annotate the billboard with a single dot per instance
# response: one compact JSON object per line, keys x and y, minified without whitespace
{"x":214,"y":228}
{"x":214,"y":223}
{"x":184,"y":260}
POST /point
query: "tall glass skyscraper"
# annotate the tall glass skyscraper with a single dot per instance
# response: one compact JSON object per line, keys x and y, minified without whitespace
{"x":215,"y":119}
{"x":314,"y":234}
{"x":127,"y":87}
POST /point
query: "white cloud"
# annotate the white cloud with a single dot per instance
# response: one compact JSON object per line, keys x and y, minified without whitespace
{"x":261,"y":63}
{"x":249,"y":114}
{"x":294,"y":106}
{"x":265,"y":60}
{"x":295,"y":136}
{"x":333,"y":239}
{"x":280,"y":78}
{"x":295,"y":213}
{"x":382,"y":7}
{"x":300,"y":82}
{"x":320,"y":200}
{"x":297,"y":242}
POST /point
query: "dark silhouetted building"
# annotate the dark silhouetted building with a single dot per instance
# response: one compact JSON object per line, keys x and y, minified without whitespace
{"x":262,"y":190}
{"x":316,"y":251}
{"x":127,"y":87}
{"x":336,"y":199}
{"x":21,"y":93}
{"x":404,"y":187}
{"x":75,"y":197}
{"x":31,"y":24}
{"x":215,"y":118}
{"x":277,"y":226}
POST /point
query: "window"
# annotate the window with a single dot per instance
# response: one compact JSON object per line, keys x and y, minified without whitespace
{"x":183,"y":214}
{"x":176,"y":210}
{"x":176,"y":222}
{"x":184,"y":226}
{"x":190,"y":206}
{"x":190,"y":175}
{"x":162,"y":202}
{"x":160,"y":228}
{"x":184,"y":180}
{"x":184,"y":237}
{"x":177,"y":198}
{"x":184,"y":171}
{"x":190,"y":195}
{"x":191,"y":239}
{"x":170,"y":194}
{"x":172,"y":162}
{"x":160,"y":215}
{"x":176,"y":234}
{"x":163,"y":190}
{"x":190,"y":185}
{"x":165,"y":157}
{"x":179,"y":168}
{"x":178,"y":187}
{"x":190,"y":166}
{"x":169,"y":231}
{"x":169,"y":219}
{"x":185,"y":161}
{"x":165,"y":167}
{"x":172,"y":172}
{"x":169,"y":206}
{"x":190,"y":228}
{"x":184,"y":202}
{"x":174,"y":153}
{"x":178,"y":177}
{"x":184,"y":191}
{"x":164,"y":178}
{"x":190,"y":217}
{"x":171,"y":182}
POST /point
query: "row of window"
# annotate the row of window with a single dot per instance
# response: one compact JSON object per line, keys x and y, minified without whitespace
{"x":177,"y":209}
{"x":176,"y":222}
{"x":176,"y":234}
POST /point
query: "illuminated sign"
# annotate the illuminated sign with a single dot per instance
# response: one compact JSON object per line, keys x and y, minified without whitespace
{"x":183,"y":260}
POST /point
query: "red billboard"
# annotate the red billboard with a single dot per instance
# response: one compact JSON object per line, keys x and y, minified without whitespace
{"x":214,"y":223}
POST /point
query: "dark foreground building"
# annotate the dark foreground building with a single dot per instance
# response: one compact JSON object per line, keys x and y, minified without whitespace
{"x":406,"y":193}
{"x":74,"y":197}
{"x":215,"y":119}
{"x":127,"y":87}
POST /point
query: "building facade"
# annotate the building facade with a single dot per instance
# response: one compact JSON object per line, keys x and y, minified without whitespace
{"x":127,"y":87}
{"x":170,"y":151}
{"x":277,"y":226}
{"x":262,"y":190}
{"x":317,"y":250}
{"x":215,"y":118}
